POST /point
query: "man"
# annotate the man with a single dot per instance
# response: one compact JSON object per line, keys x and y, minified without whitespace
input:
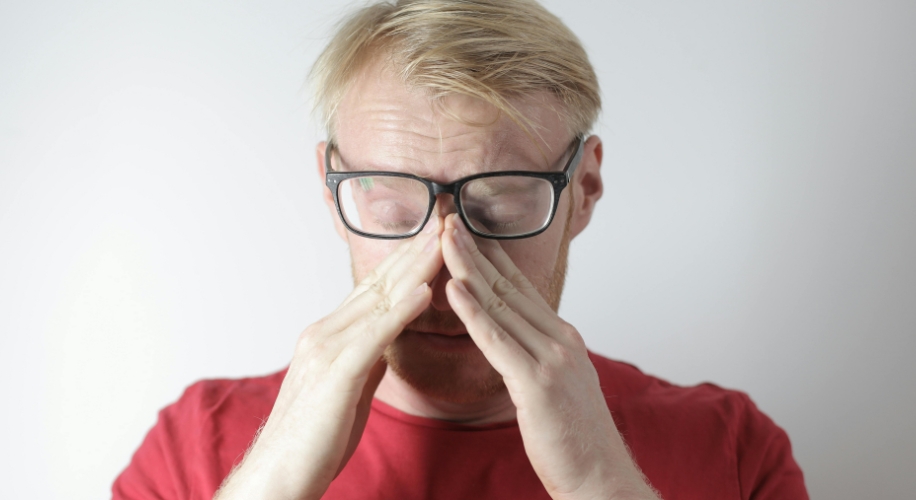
{"x":458,"y":169}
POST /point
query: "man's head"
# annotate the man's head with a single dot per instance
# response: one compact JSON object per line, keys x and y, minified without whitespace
{"x":446,"y":89}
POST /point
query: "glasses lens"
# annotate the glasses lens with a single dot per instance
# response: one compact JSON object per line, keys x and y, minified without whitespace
{"x":507,"y":205}
{"x":383,"y":205}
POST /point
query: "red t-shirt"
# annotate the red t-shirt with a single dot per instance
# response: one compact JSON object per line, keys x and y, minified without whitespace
{"x":699,"y":442}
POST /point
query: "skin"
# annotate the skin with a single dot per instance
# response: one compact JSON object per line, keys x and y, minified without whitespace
{"x":485,"y":310}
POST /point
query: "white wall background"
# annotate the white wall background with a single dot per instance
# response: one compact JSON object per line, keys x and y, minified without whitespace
{"x":160,"y":218}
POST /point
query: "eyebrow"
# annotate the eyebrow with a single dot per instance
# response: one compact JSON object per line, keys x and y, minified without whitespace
{"x":332,"y":147}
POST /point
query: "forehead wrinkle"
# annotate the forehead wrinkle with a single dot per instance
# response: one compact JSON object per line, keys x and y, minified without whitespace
{"x":400,"y":135}
{"x":387,"y":112}
{"x":445,"y":164}
{"x":387,"y":126}
{"x":422,"y":127}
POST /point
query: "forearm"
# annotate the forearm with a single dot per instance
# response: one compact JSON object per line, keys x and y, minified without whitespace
{"x":267,"y":474}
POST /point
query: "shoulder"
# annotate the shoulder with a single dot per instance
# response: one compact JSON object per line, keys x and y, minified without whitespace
{"x":199,"y":438}
{"x":627,"y":389}
{"x":222,"y":415}
{"x":701,"y":431}
{"x":209,"y":398}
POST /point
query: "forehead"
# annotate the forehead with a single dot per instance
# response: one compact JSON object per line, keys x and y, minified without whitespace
{"x":382,"y":124}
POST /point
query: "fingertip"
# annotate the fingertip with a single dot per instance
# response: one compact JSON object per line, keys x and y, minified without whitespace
{"x":415,"y":302}
{"x":457,"y":288}
{"x":451,"y":220}
{"x":448,"y":233}
{"x":455,"y":296}
{"x":459,"y":240}
{"x":463,"y":235}
{"x":457,"y":222}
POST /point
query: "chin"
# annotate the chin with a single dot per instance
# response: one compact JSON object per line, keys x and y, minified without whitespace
{"x":443,"y":366}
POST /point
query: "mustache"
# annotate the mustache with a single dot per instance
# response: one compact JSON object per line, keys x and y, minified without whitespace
{"x":434,"y":320}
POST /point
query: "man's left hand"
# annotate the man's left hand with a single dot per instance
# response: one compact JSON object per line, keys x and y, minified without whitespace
{"x":566,"y":427}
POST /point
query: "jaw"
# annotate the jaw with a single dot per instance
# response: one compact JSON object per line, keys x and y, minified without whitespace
{"x":458,"y":387}
{"x":448,"y":369}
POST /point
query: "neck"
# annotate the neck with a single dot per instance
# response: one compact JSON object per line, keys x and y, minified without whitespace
{"x":397,"y":393}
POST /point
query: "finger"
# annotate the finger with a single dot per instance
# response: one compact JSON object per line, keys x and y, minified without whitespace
{"x":382,"y":269}
{"x":418,"y":263}
{"x":462,"y":268}
{"x":504,"y":353}
{"x":507,"y":281}
{"x":502,"y":263}
{"x":539,"y":315}
{"x":378,"y":272}
{"x":404,"y":276}
{"x":366,"y":340}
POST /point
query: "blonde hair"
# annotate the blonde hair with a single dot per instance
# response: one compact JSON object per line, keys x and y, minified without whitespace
{"x":495,"y":50}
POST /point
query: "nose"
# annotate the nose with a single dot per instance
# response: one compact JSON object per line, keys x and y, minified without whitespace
{"x":445,"y":204}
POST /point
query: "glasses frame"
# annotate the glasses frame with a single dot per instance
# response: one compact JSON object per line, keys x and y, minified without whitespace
{"x":559,"y":181}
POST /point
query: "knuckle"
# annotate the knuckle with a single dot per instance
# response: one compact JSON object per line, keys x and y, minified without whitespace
{"x":520,"y":280}
{"x":572,"y":335}
{"x":379,"y":287}
{"x":495,"y":305}
{"x":372,"y":277}
{"x":503,"y":286}
{"x":559,"y":362}
{"x":383,"y":306}
{"x":562,"y":355}
{"x":308,"y":348}
{"x":306,"y":336}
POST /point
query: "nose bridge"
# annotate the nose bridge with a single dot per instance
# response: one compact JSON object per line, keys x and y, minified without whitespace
{"x":445,"y":204}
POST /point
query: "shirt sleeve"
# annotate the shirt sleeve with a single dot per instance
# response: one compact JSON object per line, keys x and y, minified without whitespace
{"x":152,"y":469}
{"x":175,"y":460}
{"x":766,"y":467}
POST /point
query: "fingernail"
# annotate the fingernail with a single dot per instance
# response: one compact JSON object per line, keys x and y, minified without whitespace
{"x":431,"y":245}
{"x":459,"y":241}
{"x":420,"y":289}
{"x":465,"y":233}
{"x":432,"y":225}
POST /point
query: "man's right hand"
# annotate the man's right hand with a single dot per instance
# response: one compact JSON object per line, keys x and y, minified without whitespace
{"x":324,"y":401}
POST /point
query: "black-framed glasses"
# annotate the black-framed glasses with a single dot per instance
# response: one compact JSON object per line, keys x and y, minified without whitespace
{"x":498,"y":205}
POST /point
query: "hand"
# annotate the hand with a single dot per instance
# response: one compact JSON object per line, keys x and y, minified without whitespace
{"x":324,"y":401}
{"x":566,"y":427}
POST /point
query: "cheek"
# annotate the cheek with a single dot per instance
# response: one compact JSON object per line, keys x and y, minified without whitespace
{"x":366,"y":254}
{"x":536,"y":257}
{"x":540,"y":251}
